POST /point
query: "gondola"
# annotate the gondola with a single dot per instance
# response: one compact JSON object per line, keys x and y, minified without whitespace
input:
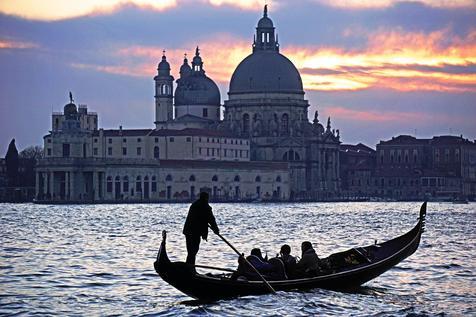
{"x":367,"y":263}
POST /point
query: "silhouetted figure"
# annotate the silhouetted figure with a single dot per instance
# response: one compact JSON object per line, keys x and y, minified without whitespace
{"x":196,"y":226}
{"x":289,"y":261}
{"x":309,"y":263}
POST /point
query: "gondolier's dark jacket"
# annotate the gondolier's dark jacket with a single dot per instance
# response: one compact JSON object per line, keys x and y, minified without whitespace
{"x":198,"y":218}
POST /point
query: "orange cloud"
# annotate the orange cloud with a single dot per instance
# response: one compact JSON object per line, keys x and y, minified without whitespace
{"x":392,"y":60}
{"x":375,"y":4}
{"x":220,"y":58}
{"x":11,"y":44}
{"x":389,"y":116}
{"x":51,"y":10}
{"x":244,"y":4}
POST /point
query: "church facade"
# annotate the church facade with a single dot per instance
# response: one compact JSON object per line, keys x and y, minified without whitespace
{"x":264,"y":147}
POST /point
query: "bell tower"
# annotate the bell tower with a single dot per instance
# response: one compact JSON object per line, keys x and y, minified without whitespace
{"x":164,"y":110}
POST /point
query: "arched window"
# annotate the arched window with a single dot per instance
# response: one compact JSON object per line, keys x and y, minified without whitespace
{"x":285,"y":156}
{"x":156,"y":152}
{"x":109,"y":184}
{"x":125,"y":184}
{"x":138,"y":184}
{"x":258,"y":179}
{"x":285,"y":124}
{"x":246,"y":123}
{"x":215,"y":178}
{"x":237,"y":178}
{"x":296,"y":156}
{"x":191,"y":178}
{"x":168,"y":178}
{"x":291,"y":155}
{"x":278,"y":179}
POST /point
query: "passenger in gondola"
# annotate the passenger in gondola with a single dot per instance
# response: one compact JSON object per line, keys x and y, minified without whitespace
{"x":289,"y":261}
{"x":199,"y":217}
{"x":309,"y":263}
{"x":257,"y":261}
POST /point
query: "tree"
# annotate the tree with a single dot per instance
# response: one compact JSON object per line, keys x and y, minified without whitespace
{"x":32,"y":152}
{"x":12,"y":163}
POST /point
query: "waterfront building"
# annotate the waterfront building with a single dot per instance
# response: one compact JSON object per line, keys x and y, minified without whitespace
{"x":407,"y":168}
{"x":265,"y":148}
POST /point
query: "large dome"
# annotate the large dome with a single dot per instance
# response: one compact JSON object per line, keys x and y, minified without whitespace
{"x":197,"y":89}
{"x":266,"y":72}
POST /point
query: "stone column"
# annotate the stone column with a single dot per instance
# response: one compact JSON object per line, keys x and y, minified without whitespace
{"x":72,"y":193}
{"x":44,"y":175}
{"x":66,"y":186}
{"x":37,"y":184}
{"x":52,"y":184}
{"x":95,"y":186}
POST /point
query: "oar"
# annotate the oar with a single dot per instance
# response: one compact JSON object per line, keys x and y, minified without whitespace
{"x":248,"y":262}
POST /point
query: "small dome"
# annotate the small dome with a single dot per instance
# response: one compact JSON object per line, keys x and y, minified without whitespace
{"x":265,"y":22}
{"x":266,"y":71}
{"x":70,"y":110}
{"x":197,"y":89}
{"x":164,"y":67}
{"x":185,"y":69}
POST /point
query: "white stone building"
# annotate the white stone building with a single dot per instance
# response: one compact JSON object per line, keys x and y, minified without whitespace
{"x":265,"y":148}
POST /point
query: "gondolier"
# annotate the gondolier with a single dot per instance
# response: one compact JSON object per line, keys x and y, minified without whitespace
{"x":199,"y":217}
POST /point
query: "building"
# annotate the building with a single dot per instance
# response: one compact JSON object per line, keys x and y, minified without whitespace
{"x":407,"y":168}
{"x":357,"y":166}
{"x":265,"y":148}
{"x":441,"y":168}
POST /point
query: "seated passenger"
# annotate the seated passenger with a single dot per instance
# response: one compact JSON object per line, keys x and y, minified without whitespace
{"x":309,"y":263}
{"x":288,"y":260}
{"x":257,"y":261}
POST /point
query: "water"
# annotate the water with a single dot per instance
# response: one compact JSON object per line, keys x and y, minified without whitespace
{"x":98,"y":260}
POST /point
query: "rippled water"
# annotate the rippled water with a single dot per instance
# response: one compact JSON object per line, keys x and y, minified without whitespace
{"x":98,"y":260}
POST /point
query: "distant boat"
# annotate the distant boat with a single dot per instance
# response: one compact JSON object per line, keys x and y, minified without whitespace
{"x":372,"y":261}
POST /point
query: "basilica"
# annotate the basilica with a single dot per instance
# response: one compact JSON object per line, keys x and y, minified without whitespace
{"x":261,"y":148}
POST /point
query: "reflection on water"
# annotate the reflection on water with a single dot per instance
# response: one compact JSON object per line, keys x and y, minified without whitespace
{"x":97,"y":260}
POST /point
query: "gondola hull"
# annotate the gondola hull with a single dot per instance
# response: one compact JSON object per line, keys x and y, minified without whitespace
{"x":381,"y":258}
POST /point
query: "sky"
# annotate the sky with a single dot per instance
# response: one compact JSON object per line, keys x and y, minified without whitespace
{"x":378,"y":68}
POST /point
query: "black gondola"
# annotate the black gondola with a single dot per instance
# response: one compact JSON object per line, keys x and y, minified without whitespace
{"x":371,"y":261}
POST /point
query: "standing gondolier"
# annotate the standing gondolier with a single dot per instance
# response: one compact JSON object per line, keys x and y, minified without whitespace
{"x":199,"y":217}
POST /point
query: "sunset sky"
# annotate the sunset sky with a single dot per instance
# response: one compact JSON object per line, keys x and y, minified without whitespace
{"x":379,"y":68}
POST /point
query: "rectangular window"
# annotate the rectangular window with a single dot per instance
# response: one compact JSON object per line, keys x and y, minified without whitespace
{"x":66,"y":150}
{"x":189,"y":139}
{"x":213,"y":152}
{"x":139,"y":140}
{"x":110,"y":140}
{"x":109,"y":151}
{"x":124,"y":151}
{"x":124,"y":140}
{"x":49,"y":152}
{"x":224,"y":152}
{"x":171,"y":139}
{"x":208,"y":152}
{"x":154,"y":186}
{"x":139,"y":151}
{"x":95,"y":151}
{"x":156,"y":140}
{"x":48,"y":140}
{"x":205,"y":112}
{"x":95,"y":140}
{"x":200,"y":150}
